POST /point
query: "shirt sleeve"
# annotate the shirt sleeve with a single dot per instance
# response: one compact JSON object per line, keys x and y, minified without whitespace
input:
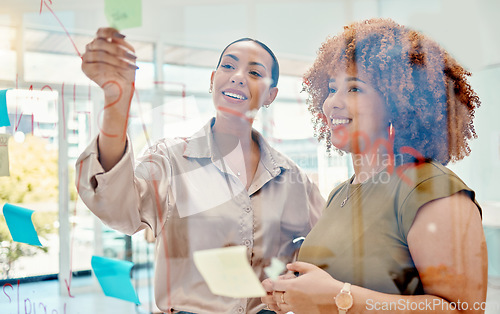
{"x":435,"y":187}
{"x":124,"y":199}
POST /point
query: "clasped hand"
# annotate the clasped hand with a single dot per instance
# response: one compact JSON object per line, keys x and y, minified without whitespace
{"x":311,"y":292}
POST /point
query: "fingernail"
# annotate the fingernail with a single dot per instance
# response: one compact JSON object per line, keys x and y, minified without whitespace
{"x":118,"y":35}
{"x":129,"y":63}
{"x":127,"y":52}
{"x":130,"y":55}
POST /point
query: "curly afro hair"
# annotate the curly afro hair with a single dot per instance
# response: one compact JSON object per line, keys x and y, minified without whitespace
{"x":429,"y":101}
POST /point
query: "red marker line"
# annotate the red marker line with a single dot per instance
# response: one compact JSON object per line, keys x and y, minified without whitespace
{"x":128,"y":111}
{"x":41,"y":5}
{"x":7,"y":285}
{"x":63,"y":113}
{"x":18,"y":121}
{"x":68,"y":286}
{"x":109,"y":105}
{"x":64,"y":28}
{"x":158,"y":208}
{"x":165,"y":241}
{"x":38,"y":123}
{"x":141,"y":116}
{"x":74,"y":97}
{"x":183,"y":94}
{"x":74,"y":106}
{"x":72,"y":237}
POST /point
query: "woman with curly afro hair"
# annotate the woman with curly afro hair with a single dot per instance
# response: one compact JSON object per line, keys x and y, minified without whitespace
{"x":404,"y":233}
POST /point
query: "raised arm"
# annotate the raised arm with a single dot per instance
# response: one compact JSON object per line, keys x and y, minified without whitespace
{"x":109,"y":61}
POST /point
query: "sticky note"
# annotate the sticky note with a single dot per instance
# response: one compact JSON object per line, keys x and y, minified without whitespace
{"x":4,"y":116}
{"x":274,"y":270}
{"x":4,"y":155}
{"x":114,"y":277}
{"x":227,"y":272}
{"x":123,"y":14}
{"x":20,"y":224}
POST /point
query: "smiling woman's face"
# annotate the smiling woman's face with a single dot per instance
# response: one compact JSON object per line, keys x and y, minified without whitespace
{"x":355,"y":111}
{"x":241,"y":83}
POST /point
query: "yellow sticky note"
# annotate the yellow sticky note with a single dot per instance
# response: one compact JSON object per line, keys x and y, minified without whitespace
{"x":4,"y":155}
{"x":228,"y":273}
{"x":123,"y":14}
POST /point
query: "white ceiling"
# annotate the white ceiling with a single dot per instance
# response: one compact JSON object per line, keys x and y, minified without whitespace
{"x":194,"y":31}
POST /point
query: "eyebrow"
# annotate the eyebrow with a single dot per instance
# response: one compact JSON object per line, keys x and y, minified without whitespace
{"x":257,"y":63}
{"x":349,"y":79}
{"x":250,"y":63}
{"x":232,"y":56}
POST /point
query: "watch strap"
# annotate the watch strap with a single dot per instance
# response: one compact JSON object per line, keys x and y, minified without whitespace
{"x":346,"y":287}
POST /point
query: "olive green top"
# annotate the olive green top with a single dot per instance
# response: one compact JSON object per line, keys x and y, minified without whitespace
{"x":365,"y":241}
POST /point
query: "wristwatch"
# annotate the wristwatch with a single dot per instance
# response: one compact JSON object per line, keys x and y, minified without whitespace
{"x":344,"y":300}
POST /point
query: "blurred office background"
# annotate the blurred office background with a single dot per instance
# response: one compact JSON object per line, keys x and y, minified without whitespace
{"x":54,"y":111}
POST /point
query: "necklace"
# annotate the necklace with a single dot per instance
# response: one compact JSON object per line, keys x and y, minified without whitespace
{"x":349,"y":195}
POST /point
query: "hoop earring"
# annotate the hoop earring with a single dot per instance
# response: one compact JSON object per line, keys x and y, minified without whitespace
{"x":391,"y":130}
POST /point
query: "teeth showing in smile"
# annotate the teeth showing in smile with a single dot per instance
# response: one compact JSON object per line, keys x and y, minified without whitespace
{"x":236,"y":96}
{"x":336,"y":122}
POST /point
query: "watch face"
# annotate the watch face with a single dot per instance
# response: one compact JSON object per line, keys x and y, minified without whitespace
{"x":343,"y":300}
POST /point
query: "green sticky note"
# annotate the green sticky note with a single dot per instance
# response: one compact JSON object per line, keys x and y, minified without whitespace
{"x":123,"y":14}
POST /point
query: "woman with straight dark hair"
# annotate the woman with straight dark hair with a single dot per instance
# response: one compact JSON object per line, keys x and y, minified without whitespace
{"x":222,"y":186}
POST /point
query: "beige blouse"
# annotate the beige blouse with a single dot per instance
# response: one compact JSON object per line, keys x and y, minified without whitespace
{"x":189,"y":197}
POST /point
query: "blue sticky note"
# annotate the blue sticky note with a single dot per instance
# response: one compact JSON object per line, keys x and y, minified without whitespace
{"x":114,"y":277}
{"x":4,"y":116}
{"x":20,"y":224}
